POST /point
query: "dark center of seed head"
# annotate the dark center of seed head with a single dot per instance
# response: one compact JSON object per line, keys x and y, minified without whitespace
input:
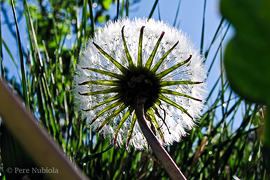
{"x":140,"y":87}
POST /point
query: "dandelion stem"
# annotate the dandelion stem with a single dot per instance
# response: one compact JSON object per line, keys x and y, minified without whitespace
{"x":158,"y":149}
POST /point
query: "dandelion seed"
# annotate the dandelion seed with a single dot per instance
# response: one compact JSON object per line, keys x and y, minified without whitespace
{"x":140,"y":62}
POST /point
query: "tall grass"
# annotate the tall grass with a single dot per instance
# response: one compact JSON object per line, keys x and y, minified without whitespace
{"x":215,"y":149}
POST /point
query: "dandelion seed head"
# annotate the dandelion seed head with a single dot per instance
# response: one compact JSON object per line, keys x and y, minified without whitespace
{"x":171,"y":108}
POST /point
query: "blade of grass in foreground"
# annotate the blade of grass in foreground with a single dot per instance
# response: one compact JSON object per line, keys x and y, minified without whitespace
{"x":12,"y":110}
{"x":23,"y":83}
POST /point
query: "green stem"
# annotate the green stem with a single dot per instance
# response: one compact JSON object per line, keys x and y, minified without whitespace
{"x":158,"y":149}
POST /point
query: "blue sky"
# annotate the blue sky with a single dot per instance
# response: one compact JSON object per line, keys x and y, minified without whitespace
{"x":190,"y":17}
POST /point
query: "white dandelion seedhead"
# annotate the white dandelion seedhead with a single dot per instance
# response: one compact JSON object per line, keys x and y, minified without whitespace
{"x":140,"y":62}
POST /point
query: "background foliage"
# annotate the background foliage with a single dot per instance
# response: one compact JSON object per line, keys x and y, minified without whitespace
{"x":215,"y":149}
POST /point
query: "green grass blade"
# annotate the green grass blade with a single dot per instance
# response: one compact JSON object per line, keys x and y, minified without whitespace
{"x":153,"y":9}
{"x":122,"y":9}
{"x":24,"y":85}
{"x":115,"y":113}
{"x":203,"y":28}
{"x":167,"y":91}
{"x":167,"y":100}
{"x":130,"y":62}
{"x":90,"y":2}
{"x":101,"y":82}
{"x":159,"y":16}
{"x":49,"y":106}
{"x":214,"y":38}
{"x":171,"y":83}
{"x":117,"y":9}
{"x":212,"y":90}
{"x":139,"y":62}
{"x":117,"y":64}
{"x":152,"y":55}
{"x":10,"y":55}
{"x":84,"y":19}
{"x":32,"y":34}
{"x":106,"y":109}
{"x":120,"y":125}
{"x":222,"y":82}
{"x":167,"y":71}
{"x":214,"y":58}
{"x":105,"y":91}
{"x":127,"y":8}
{"x":155,"y":68}
{"x":54,"y":24}
{"x":91,"y":157}
{"x":117,"y":76}
{"x":176,"y":15}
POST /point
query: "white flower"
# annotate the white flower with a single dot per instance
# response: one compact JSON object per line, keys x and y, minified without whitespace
{"x":115,"y":73}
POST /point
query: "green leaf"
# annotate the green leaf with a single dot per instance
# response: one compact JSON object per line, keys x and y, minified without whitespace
{"x":101,"y":19}
{"x":106,"y":4}
{"x":247,"y":55}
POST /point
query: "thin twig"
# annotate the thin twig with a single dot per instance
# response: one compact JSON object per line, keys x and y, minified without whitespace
{"x":158,"y":149}
{"x":197,"y":155}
